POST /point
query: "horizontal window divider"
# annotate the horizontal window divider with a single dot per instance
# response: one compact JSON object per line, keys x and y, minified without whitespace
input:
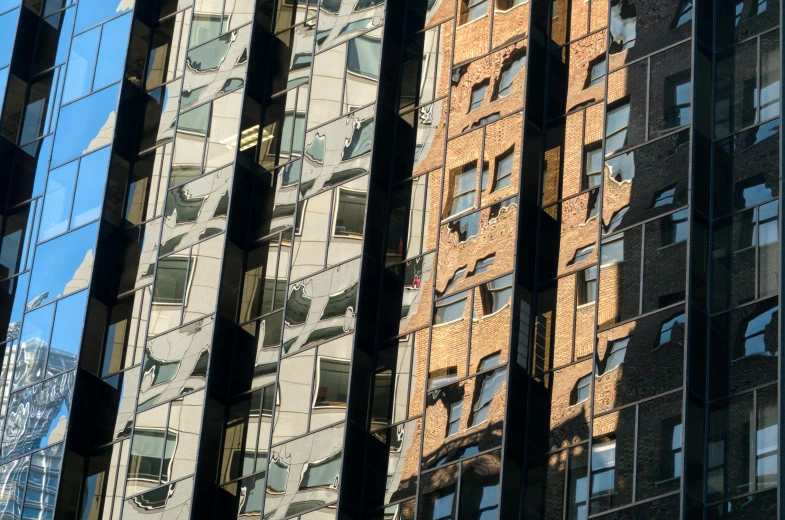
{"x":328,"y":268}
{"x":333,"y":120}
{"x":201,"y":318}
{"x":646,"y":57}
{"x":632,"y":504}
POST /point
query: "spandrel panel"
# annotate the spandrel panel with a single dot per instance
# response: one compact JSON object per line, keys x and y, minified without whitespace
{"x":169,"y":502}
{"x":488,"y":88}
{"x":340,"y":20}
{"x":38,"y":416}
{"x":645,"y":182}
{"x":464,"y":418}
{"x":63,"y":265}
{"x":160,"y":115}
{"x":639,"y":359}
{"x":150,"y":446}
{"x":16,"y":237}
{"x":34,"y":347}
{"x":620,"y":277}
{"x":293,"y":57}
{"x":185,"y":421}
{"x":393,"y":381}
{"x":310,"y":235}
{"x":746,"y":168}
{"x":426,"y":67}
{"x":14,"y":478}
{"x":222,"y":136}
{"x":568,"y":235}
{"x":66,"y":337}
{"x":347,"y":221}
{"x":264,"y":279}
{"x":86,"y":125}
{"x":665,"y":261}
{"x":408,"y":289}
{"x":321,"y":307}
{"x":175,"y":363}
{"x":304,"y":473}
{"x":491,"y":318}
{"x":659,"y":27}
{"x":196,"y":211}
{"x":659,"y":446}
{"x":625,"y":117}
{"x":744,"y":348}
{"x":577,"y":74}
{"x":331,"y":382}
{"x":562,"y":407}
{"x":670,"y":90}
{"x":216,"y":67}
{"x":611,"y":460}
{"x":294,"y":396}
{"x":127,"y":386}
{"x":337,"y":152}
{"x":476,"y":248}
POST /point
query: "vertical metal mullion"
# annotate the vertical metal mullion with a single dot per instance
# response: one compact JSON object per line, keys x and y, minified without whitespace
{"x":313,"y":386}
{"x":642,"y":269}
{"x":758,"y":72}
{"x":648,"y":95}
{"x":756,"y":237}
{"x":166,"y":438}
{"x":566,"y":491}
{"x":635,"y":453}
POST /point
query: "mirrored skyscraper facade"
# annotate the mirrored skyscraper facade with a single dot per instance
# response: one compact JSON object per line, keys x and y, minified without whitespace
{"x":390,"y":259}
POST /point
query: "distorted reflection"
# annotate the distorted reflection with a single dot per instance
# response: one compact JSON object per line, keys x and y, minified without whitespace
{"x":38,"y":416}
{"x":394,"y":380}
{"x":464,"y":418}
{"x":304,"y":473}
{"x":321,"y":307}
{"x":13,"y":480}
{"x":165,"y":503}
{"x":402,"y":443}
{"x":216,"y":67}
{"x":342,"y":19}
{"x":175,"y":363}
{"x":337,"y":152}
{"x":86,"y":125}
{"x":196,"y":211}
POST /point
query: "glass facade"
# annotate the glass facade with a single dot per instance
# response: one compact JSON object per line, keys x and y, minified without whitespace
{"x":390,"y":259}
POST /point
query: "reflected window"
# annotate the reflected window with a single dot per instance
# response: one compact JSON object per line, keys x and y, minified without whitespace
{"x":482,"y":265}
{"x":612,"y":251}
{"x":349,"y":213}
{"x":581,"y":391}
{"x":464,"y":188}
{"x":450,"y":309}
{"x":671,"y":448}
{"x":490,"y":118}
{"x":472,"y":10}
{"x":171,"y":275}
{"x":491,"y":384}
{"x":592,"y":165}
{"x":478,"y":94}
{"x":442,"y":376}
{"x":495,"y":295}
{"x":582,"y":254}
{"x":503,"y":5}
{"x":322,"y":473}
{"x":593,"y":206}
{"x":616,"y":219}
{"x":674,"y":228}
{"x":684,"y":14}
{"x":277,"y":475}
{"x":616,"y":128}
{"x":491,"y":361}
{"x":754,"y":341}
{"x":439,"y":505}
{"x":603,"y":468}
{"x":363,"y":56}
{"x":667,"y":328}
{"x":664,"y":197}
{"x":617,"y":352}
{"x":766,"y":447}
{"x":503,"y":170}
{"x":597,"y":70}
{"x":508,"y":75}
{"x":361,"y":140}
{"x":587,"y":286}
{"x":454,"y":420}
{"x":678,"y":96}
{"x":332,"y":385}
{"x":767,"y":224}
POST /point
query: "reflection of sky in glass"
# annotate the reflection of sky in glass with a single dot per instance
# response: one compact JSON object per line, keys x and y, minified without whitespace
{"x":7,"y":35}
{"x":67,"y":330}
{"x":92,"y":12}
{"x":57,"y":261}
{"x":81,"y":122}
{"x":90,"y":187}
{"x":114,"y":41}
